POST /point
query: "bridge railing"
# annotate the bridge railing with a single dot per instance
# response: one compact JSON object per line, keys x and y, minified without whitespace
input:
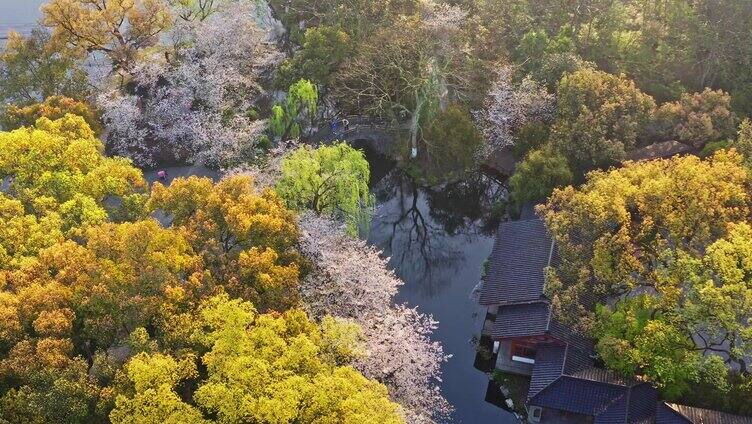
{"x":356,"y":124}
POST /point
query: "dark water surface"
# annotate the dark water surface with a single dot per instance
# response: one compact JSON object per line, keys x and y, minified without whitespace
{"x":437,"y":244}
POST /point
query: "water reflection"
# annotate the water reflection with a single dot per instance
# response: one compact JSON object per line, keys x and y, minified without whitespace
{"x":419,"y":247}
{"x":438,"y":238}
{"x":423,"y":229}
{"x":466,"y":204}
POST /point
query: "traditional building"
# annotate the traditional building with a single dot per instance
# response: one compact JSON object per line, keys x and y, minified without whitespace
{"x":566,"y":385}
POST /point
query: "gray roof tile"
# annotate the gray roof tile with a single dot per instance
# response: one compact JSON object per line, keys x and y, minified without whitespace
{"x":521,"y":320}
{"x":671,"y":413}
{"x":549,"y":365}
{"x":516,"y":266}
{"x":642,"y":401}
{"x":578,"y":396}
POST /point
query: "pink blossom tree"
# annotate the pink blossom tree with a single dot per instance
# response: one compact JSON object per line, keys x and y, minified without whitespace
{"x":351,"y":280}
{"x":509,"y":106}
{"x":197,"y":101}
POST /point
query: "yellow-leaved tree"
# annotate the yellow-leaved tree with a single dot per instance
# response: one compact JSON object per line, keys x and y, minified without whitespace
{"x":56,"y":174}
{"x":664,"y":247}
{"x":247,"y":239}
{"x":117,"y":28}
{"x":273,"y":368}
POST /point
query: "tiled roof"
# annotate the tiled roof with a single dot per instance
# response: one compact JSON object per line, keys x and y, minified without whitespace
{"x":549,"y":365}
{"x":563,"y":376}
{"x":521,"y":320}
{"x":601,"y":375}
{"x":578,"y":396}
{"x":666,"y":415}
{"x":589,"y":391}
{"x":553,"y":361}
{"x":642,"y":401}
{"x":516,"y":266}
{"x":670,"y":413}
{"x":616,"y":411}
{"x":579,"y":356}
{"x":565,"y":332}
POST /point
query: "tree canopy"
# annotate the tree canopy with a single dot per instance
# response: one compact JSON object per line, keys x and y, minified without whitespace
{"x":674,"y":230}
{"x":264,"y":368}
{"x":329,"y":180}
{"x":118,"y":317}
{"x":53,"y":107}
{"x":36,"y":67}
{"x":118,"y":29}
{"x":599,"y":117}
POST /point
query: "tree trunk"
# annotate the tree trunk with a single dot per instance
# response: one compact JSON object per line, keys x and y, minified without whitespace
{"x":414,"y":135}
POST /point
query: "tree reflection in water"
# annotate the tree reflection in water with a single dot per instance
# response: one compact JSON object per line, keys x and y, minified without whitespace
{"x":424,"y":230}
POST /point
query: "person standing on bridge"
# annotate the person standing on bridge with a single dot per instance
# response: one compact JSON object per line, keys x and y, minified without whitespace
{"x":334,"y":126}
{"x":346,"y":125}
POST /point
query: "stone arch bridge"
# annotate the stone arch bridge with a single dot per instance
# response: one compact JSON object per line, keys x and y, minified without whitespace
{"x":375,"y":134}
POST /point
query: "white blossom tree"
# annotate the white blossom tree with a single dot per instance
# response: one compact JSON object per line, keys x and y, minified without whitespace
{"x":510,"y":106}
{"x":198,"y":104}
{"x":351,"y":280}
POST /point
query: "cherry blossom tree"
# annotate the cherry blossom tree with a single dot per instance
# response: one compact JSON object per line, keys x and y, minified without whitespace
{"x":199,"y":105}
{"x":510,"y":106}
{"x":351,"y":280}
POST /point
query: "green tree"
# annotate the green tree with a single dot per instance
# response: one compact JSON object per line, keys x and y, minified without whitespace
{"x":536,"y":177}
{"x":328,"y":180}
{"x":743,"y":142}
{"x":718,"y":299}
{"x":599,"y":118}
{"x":56,"y":161}
{"x":403,"y":72}
{"x":298,"y":109}
{"x":321,"y":52}
{"x":359,"y":18}
{"x":547,"y":59}
{"x":34,"y":68}
{"x":452,"y":143}
{"x":192,"y":10}
{"x":633,"y":340}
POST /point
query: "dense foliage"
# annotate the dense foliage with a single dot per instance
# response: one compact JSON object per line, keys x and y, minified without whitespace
{"x":34,"y":68}
{"x":667,"y":240}
{"x":53,"y":107}
{"x":329,"y":180}
{"x":183,"y":302}
{"x":137,"y":322}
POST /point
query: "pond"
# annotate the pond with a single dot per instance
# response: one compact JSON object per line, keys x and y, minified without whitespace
{"x":438,"y":240}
